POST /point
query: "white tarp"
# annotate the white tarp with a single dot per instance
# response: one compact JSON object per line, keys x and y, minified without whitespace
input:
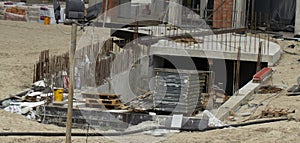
{"x":13,"y":109}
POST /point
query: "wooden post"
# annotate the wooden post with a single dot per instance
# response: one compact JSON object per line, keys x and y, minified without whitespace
{"x":252,"y":14}
{"x":71,"y":85}
{"x":237,"y":72}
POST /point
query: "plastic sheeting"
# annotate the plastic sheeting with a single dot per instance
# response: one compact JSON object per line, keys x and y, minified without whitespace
{"x":283,"y":14}
{"x":279,"y":13}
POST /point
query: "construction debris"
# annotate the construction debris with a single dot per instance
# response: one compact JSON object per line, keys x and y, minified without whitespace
{"x":271,"y":113}
{"x":219,"y":97}
{"x":103,"y":100}
{"x":26,"y":102}
{"x":212,"y":120}
{"x":294,"y":90}
{"x":262,"y":75}
{"x":268,"y":89}
{"x":141,"y":103}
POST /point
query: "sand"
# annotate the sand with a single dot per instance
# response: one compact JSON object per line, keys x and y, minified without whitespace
{"x":21,"y":44}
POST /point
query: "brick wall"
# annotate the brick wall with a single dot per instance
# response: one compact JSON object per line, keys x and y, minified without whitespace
{"x":222,"y":18}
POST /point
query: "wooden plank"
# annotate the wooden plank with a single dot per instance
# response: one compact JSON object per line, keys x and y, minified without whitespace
{"x":116,"y":102}
{"x":93,"y":105}
{"x":100,"y":95}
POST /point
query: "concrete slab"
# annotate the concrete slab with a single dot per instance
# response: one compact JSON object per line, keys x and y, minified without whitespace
{"x":248,"y":89}
{"x":217,"y":47}
{"x":236,"y":101}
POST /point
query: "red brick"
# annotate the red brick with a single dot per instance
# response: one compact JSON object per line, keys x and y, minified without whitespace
{"x":223,"y":17}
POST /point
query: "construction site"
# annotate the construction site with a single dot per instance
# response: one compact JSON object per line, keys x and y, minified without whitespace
{"x":150,"y":71}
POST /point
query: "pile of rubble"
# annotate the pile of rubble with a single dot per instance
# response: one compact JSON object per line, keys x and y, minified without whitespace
{"x":28,"y":101}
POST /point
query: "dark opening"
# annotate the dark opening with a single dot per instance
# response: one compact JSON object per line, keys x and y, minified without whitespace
{"x":223,"y":69}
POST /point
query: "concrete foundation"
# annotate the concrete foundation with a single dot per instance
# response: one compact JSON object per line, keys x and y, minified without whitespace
{"x":214,"y":47}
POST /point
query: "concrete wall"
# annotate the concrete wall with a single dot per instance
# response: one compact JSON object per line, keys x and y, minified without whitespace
{"x":128,"y":84}
{"x":297,"y":18}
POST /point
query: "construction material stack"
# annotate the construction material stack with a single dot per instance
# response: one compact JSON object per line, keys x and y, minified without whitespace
{"x":181,"y":91}
{"x":15,"y":13}
{"x":103,"y":100}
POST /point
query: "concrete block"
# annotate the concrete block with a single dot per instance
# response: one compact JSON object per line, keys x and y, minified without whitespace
{"x":248,"y":89}
{"x":177,"y":121}
{"x":235,"y":102}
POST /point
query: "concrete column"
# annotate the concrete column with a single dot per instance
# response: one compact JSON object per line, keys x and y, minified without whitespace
{"x":175,"y":12}
{"x":203,"y":4}
{"x":297,"y":19}
{"x":239,"y":13}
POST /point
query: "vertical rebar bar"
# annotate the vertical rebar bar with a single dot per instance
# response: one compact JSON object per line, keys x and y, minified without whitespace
{"x":259,"y":57}
{"x":237,"y":77}
{"x":255,"y":24}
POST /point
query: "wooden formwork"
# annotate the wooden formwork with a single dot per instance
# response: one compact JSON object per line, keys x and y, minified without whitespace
{"x":94,"y":64}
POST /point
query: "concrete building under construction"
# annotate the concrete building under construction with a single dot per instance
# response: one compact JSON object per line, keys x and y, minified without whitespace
{"x":163,"y":57}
